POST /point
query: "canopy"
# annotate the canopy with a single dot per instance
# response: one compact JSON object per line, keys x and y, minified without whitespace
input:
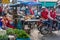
{"x":34,"y":3}
{"x":26,"y":3}
{"x":31,"y":3}
{"x":14,"y":5}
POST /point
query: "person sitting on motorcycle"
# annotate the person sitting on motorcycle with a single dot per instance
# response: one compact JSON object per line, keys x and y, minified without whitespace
{"x":52,"y":18}
{"x":44,"y":16}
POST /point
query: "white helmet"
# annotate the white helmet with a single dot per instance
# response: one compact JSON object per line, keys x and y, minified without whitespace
{"x":43,"y":6}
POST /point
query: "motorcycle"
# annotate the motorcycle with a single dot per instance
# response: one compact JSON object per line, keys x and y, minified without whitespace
{"x":45,"y":29}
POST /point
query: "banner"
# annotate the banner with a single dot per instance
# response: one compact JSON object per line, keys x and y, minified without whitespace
{"x":5,"y":1}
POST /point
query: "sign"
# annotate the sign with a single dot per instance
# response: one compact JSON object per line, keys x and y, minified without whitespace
{"x":5,"y":1}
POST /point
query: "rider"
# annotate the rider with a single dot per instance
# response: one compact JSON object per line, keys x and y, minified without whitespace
{"x":52,"y":17}
{"x":44,"y":15}
{"x":43,"y":18}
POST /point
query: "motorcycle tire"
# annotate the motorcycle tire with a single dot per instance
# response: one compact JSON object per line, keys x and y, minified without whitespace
{"x":44,"y":30}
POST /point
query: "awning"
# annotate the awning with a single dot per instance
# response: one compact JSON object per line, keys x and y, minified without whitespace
{"x":31,"y":3}
{"x":14,"y":5}
{"x":26,"y":3}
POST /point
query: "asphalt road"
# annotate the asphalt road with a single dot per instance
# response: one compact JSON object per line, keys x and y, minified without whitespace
{"x":35,"y":35}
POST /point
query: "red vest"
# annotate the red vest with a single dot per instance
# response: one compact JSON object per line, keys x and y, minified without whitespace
{"x":44,"y":14}
{"x":53,"y":14}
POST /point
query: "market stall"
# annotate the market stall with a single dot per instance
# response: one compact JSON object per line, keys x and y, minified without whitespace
{"x":28,"y":17}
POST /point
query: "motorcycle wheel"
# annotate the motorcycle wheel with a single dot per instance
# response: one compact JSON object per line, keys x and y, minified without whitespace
{"x":44,"y":30}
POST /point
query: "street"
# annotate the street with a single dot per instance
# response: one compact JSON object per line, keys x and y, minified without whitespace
{"x":35,"y":35}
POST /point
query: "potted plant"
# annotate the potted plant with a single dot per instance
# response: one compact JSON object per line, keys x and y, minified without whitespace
{"x":3,"y":37}
{"x":22,"y":35}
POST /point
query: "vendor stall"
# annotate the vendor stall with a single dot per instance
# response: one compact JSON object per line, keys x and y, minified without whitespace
{"x":28,"y":6}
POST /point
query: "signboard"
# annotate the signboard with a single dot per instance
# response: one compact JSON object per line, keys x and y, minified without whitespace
{"x":5,"y":1}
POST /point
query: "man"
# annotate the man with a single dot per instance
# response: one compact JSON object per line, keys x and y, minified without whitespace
{"x":44,"y":16}
{"x":52,"y":18}
{"x":52,"y":14}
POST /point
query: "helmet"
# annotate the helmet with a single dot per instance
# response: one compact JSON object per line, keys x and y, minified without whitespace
{"x":43,"y":7}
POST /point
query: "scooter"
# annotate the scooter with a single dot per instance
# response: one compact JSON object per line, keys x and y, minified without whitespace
{"x":44,"y":29}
